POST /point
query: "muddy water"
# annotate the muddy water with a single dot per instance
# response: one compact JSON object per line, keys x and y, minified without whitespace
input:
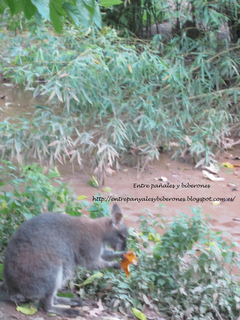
{"x":122,"y":183}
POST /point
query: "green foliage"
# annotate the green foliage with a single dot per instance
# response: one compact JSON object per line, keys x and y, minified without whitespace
{"x":26,"y":192}
{"x":65,"y":295}
{"x":93,"y":183}
{"x":81,"y":12}
{"x":139,"y":314}
{"x":109,"y":3}
{"x":190,"y":277}
{"x":1,"y":271}
{"x":135,"y":15}
{"x":91,"y":279}
{"x":105,"y":105}
{"x":99,"y":208}
{"x":170,"y":245}
{"x":26,"y":309}
{"x":148,"y":227}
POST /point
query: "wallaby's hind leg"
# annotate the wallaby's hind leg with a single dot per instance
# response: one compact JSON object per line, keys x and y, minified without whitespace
{"x":68,"y":301}
{"x":46,"y":304}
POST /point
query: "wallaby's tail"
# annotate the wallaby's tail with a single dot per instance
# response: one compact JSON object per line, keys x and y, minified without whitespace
{"x":4,"y":296}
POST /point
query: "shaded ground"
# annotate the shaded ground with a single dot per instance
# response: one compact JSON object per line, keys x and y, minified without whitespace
{"x":8,"y":312}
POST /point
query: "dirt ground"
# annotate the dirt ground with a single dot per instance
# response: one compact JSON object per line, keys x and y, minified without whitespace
{"x":182,"y":181}
{"x":125,"y":183}
{"x":8,"y":312}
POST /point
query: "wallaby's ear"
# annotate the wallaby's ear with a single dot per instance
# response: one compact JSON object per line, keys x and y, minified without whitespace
{"x":116,"y":215}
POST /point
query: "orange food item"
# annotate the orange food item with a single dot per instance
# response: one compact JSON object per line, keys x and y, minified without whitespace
{"x":129,"y":258}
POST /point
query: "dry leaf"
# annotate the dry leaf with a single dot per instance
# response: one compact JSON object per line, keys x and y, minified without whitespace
{"x":116,"y":303}
{"x":228,"y":143}
{"x":85,"y":308}
{"x":97,"y":61}
{"x":145,"y":299}
{"x":189,"y":141}
{"x":231,"y":157}
{"x":129,"y":68}
{"x":227,"y":165}
{"x":63,"y":75}
{"x":95,"y":312}
{"x":99,"y":303}
{"x":212,"y":168}
{"x":174,"y":144}
{"x":237,"y":173}
{"x":62,"y":306}
{"x":110,"y":171}
{"x":164,"y":179}
{"x":235,"y":158}
{"x":150,"y":313}
{"x":232,"y":186}
{"x":215,"y":296}
{"x":53,"y":143}
{"x":129,"y":258}
{"x":112,"y":318}
{"x":211,"y":177}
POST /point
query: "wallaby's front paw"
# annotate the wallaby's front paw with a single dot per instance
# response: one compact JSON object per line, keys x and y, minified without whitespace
{"x":116,"y":265}
{"x":123,"y":254}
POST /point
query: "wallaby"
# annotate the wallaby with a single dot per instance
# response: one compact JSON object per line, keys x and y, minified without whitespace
{"x":44,"y":251}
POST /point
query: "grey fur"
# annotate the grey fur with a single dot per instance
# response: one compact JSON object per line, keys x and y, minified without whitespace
{"x":44,"y":252}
